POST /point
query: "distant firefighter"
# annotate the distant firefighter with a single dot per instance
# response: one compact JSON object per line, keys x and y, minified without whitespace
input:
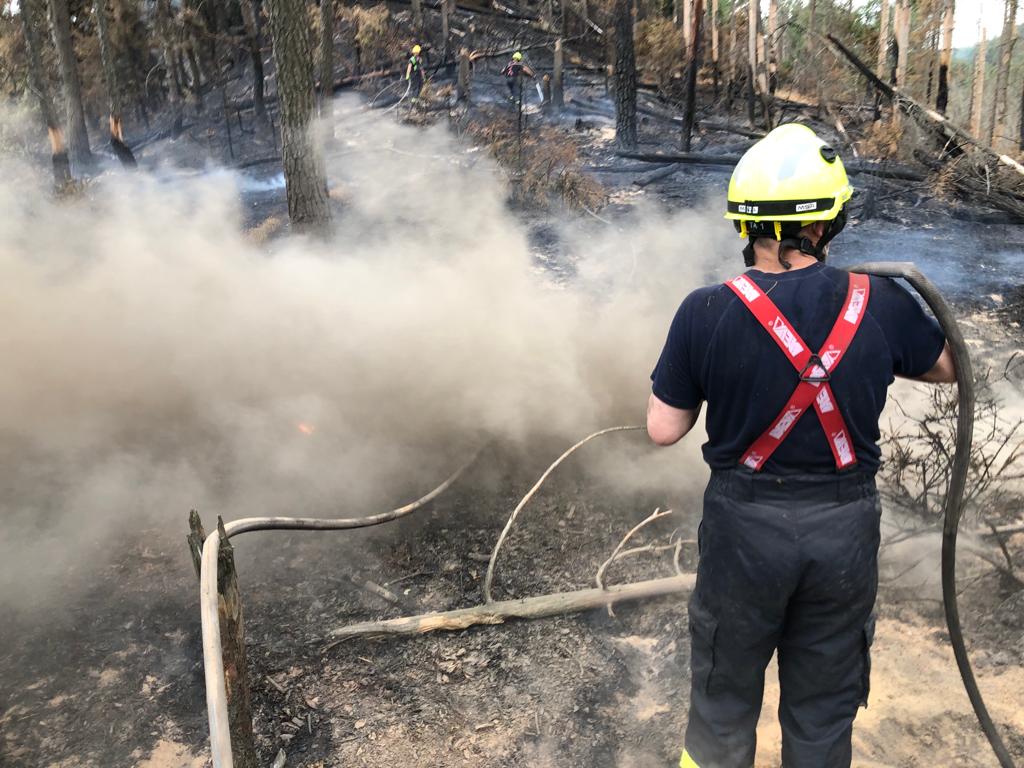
{"x":414,"y":72}
{"x":514,"y":72}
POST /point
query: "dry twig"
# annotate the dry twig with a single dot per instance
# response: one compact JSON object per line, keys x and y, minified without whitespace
{"x":489,"y":577}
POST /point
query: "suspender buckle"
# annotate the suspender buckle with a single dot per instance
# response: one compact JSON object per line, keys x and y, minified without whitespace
{"x":813,"y":366}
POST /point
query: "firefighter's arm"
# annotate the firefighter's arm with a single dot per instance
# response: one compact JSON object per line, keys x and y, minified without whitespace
{"x":527,"y":71}
{"x":944,"y":370}
{"x":408,"y":70}
{"x":667,"y":425}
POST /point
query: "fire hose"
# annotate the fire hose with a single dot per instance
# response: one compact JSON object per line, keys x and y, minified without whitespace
{"x":953,"y":506}
{"x":216,"y":694}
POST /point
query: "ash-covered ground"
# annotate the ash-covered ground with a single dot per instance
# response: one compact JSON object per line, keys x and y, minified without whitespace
{"x":464,"y":322}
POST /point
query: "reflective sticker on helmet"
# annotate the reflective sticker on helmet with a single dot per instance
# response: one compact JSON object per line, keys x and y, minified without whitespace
{"x":787,"y":337}
{"x":751,"y":209}
{"x":812,"y":206}
{"x":749,"y":291}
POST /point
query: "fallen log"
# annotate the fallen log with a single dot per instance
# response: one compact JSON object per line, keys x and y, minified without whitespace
{"x":658,"y":175}
{"x":697,"y":158}
{"x":928,"y":118}
{"x":634,"y":168}
{"x":500,"y":611}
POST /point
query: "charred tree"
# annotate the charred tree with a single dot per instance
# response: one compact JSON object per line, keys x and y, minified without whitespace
{"x":625,"y":76}
{"x":945,"y":58}
{"x":236,"y":671}
{"x":326,"y":51}
{"x":715,"y":70}
{"x":115,"y":88}
{"x":30,"y":19}
{"x":78,"y":136}
{"x":773,"y":46}
{"x":251,"y":21}
{"x":978,"y":87}
{"x":883,"y":37}
{"x":305,"y":180}
{"x":164,"y":27}
{"x":557,"y":84}
{"x":997,"y":117}
{"x":689,"y":107}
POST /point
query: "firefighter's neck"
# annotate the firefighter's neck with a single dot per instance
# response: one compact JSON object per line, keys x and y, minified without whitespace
{"x":767,"y":254}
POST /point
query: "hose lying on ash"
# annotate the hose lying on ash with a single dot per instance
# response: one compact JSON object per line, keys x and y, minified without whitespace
{"x":953,"y":507}
{"x":213,"y":659}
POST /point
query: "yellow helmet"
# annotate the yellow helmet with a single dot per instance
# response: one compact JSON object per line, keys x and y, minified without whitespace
{"x":517,"y":56}
{"x":789,"y":175}
{"x":416,"y":50}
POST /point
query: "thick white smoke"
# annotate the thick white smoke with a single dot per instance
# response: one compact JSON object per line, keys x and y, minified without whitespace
{"x":156,"y":358}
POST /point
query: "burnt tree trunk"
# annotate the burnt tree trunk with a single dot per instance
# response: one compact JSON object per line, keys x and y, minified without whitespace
{"x":978,"y":86}
{"x":115,"y":88}
{"x":236,"y":673}
{"x":168,"y":49}
{"x":691,"y":76}
{"x":78,"y":136}
{"x":326,"y":52}
{"x":305,"y":180}
{"x":997,"y":117}
{"x":945,"y":58}
{"x":715,"y":69}
{"x":1020,"y":137}
{"x":625,"y":76}
{"x":30,"y":17}
{"x":557,"y":85}
{"x":252,"y":35}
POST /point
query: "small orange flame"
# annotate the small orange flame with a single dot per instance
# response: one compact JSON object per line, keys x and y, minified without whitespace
{"x":306,"y":429}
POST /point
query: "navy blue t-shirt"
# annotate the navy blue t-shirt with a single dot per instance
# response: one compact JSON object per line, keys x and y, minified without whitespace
{"x":718,"y":352}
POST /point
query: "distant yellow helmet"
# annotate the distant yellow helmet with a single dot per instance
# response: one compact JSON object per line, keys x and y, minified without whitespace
{"x":517,"y":56}
{"x":789,"y":175}
{"x":416,"y":50}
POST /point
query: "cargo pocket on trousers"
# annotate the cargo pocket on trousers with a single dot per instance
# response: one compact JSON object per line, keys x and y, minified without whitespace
{"x":865,"y":675}
{"x":703,"y":628}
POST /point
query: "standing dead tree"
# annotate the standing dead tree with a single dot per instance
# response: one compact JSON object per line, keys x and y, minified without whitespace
{"x":115,"y":86}
{"x":251,"y":22}
{"x":30,"y":19}
{"x":305,"y":178}
{"x":690,"y":103}
{"x":997,"y":116}
{"x":326,"y":51}
{"x":978,"y":86}
{"x":78,"y":136}
{"x":625,"y":76}
{"x":945,"y":59}
{"x":169,"y":51}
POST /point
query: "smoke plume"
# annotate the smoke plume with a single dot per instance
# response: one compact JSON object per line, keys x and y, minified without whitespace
{"x":157,"y":358}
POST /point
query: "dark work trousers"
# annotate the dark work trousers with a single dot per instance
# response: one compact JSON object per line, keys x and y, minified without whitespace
{"x":787,"y":563}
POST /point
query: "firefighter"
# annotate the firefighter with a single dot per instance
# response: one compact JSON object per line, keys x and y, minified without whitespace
{"x":514,"y":72}
{"x":793,"y":358}
{"x":414,"y":73}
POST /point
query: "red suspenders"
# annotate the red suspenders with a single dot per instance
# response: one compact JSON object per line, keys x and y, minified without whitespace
{"x":814,"y":369}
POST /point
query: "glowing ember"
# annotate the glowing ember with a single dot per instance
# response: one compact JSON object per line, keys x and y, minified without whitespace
{"x":306,"y":429}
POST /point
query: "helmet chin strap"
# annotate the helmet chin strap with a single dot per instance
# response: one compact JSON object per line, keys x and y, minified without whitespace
{"x":804,"y":245}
